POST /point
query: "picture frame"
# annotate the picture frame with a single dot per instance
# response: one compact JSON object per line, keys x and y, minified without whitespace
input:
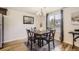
{"x":75,"y":18}
{"x":28,"y":20}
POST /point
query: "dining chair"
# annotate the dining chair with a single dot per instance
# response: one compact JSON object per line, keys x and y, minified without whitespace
{"x":52,"y":35}
{"x":49,"y":37}
{"x":30,"y":38}
{"x":38,"y":38}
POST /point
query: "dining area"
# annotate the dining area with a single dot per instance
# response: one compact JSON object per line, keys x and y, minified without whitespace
{"x":41,"y":30}
{"x":40,"y":38}
{"x":46,"y":32}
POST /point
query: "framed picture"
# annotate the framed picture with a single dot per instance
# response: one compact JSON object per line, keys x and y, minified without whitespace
{"x":28,"y":20}
{"x":75,"y":18}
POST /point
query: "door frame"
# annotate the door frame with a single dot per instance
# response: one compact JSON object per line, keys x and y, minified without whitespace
{"x":62,"y":27}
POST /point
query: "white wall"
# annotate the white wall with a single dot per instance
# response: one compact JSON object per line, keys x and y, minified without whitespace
{"x":68,"y":24}
{"x":14,"y":27}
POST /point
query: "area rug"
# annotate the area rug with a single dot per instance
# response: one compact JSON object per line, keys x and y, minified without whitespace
{"x":45,"y":47}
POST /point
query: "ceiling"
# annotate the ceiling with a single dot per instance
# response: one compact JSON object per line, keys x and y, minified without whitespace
{"x":34,"y":10}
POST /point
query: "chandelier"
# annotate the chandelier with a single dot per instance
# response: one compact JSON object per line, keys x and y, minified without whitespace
{"x":42,"y":12}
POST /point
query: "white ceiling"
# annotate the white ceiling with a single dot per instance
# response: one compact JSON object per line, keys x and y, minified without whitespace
{"x":34,"y":10}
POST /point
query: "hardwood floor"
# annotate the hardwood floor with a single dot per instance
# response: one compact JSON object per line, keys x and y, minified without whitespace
{"x":19,"y":45}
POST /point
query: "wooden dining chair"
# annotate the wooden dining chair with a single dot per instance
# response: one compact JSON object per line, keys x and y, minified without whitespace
{"x":49,"y":37}
{"x":30,"y":38}
{"x":52,"y":35}
{"x":38,"y":38}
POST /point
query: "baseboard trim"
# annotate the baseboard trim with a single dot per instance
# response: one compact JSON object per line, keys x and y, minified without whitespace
{"x":15,"y":40}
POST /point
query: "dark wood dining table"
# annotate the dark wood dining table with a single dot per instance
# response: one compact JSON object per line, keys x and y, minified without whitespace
{"x":41,"y":32}
{"x":39,"y":35}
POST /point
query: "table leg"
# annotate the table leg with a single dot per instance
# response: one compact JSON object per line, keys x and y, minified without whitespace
{"x":73,"y":41}
{"x":42,"y":42}
{"x":31,"y":45}
{"x":38,"y":42}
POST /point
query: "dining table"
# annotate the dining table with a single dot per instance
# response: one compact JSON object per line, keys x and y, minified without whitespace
{"x":40,"y":35}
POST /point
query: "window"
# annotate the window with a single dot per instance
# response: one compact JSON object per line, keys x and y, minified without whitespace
{"x":54,"y":20}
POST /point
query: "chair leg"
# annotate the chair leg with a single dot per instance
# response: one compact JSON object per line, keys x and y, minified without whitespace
{"x":38,"y":43}
{"x":49,"y":46}
{"x":34,"y":41}
{"x":28,"y":43}
{"x":31,"y":45}
{"x":53,"y":43}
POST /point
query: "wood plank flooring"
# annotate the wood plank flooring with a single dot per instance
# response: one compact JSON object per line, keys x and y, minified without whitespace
{"x":19,"y":45}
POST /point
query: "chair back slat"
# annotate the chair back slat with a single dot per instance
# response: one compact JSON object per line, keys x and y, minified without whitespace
{"x":28,"y":33}
{"x":52,"y":32}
